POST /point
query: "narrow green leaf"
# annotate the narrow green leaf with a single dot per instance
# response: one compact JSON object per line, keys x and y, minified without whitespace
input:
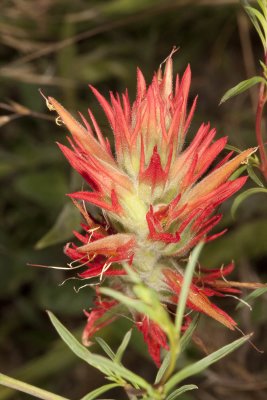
{"x":257,"y":14}
{"x":201,"y":365}
{"x":135,"y":278}
{"x":263,"y":6}
{"x":103,"y":344}
{"x":29,"y":389}
{"x":154,"y":308}
{"x":112,"y":370}
{"x":243,"y":196}
{"x":183,"y":343}
{"x":252,"y":296}
{"x":148,"y":305}
{"x":242,"y":87}
{"x":256,"y":25}
{"x":174,"y":395}
{"x":264,"y":68}
{"x":99,"y":362}
{"x":68,"y":338}
{"x":97,"y":392}
{"x":254,"y":176}
{"x":134,"y":303}
{"x":163,"y":367}
{"x":123,"y":346}
{"x":185,"y":339}
{"x":189,"y":271}
{"x":261,"y":19}
{"x":232,"y":148}
{"x":238,"y":172}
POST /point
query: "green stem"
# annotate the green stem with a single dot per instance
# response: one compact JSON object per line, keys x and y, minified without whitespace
{"x":174,"y":337}
{"x":26,"y":388}
{"x":260,"y":107}
{"x":174,"y":352}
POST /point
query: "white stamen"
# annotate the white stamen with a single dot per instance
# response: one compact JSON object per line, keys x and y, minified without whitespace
{"x":249,"y":341}
{"x":79,"y":265}
{"x":47,"y":102}
{"x":68,"y":279}
{"x":81,"y":287}
{"x":52,"y":266}
{"x":241,"y":300}
{"x":222,"y":275}
{"x":104,"y":269}
{"x":59,"y":121}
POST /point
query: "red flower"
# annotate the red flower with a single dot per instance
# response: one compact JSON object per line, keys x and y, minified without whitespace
{"x":158,"y":200}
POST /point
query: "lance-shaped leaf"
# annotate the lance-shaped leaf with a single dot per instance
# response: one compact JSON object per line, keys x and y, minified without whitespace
{"x":122,"y":347}
{"x":201,"y":365}
{"x":164,"y":365}
{"x":148,"y":305}
{"x":186,"y":286}
{"x":242,"y":87}
{"x":114,"y":371}
{"x":243,"y":196}
{"x":185,"y":339}
{"x":174,"y":395}
{"x":259,"y":21}
{"x":254,"y":176}
{"x":107,"y":349}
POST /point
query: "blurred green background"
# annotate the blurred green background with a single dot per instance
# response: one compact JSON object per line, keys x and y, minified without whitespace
{"x":60,"y":46}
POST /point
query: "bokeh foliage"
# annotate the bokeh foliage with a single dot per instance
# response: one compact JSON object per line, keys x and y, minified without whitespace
{"x":60,"y":46}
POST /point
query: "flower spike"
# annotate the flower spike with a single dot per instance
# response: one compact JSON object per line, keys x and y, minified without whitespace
{"x":153,"y":200}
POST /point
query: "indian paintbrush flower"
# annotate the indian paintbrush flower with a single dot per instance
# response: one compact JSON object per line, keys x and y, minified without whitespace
{"x":158,"y":198}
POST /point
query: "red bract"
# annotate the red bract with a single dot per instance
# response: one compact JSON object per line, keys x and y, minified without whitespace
{"x":154,"y":337}
{"x":94,"y":321}
{"x":156,"y":194}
